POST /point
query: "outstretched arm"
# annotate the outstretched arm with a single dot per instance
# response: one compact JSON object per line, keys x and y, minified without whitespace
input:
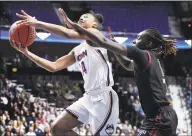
{"x":101,"y":41}
{"x":59,"y":30}
{"x":52,"y":28}
{"x":140,"y":57}
{"x":50,"y":66}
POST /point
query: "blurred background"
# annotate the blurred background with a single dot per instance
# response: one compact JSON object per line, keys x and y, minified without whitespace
{"x":31,"y":98}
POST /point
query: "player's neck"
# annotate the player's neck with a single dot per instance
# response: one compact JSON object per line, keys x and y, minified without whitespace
{"x":90,"y":43}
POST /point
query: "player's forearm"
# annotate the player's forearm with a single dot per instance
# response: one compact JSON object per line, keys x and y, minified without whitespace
{"x":125,"y":62}
{"x":47,"y":65}
{"x":93,"y":37}
{"x":52,"y":28}
{"x":102,"y":41}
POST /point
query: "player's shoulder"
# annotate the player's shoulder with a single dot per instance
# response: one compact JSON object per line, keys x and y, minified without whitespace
{"x":81,"y":45}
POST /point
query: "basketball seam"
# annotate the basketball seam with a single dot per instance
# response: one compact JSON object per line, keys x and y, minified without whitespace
{"x":18,"y":35}
{"x":27,"y":35}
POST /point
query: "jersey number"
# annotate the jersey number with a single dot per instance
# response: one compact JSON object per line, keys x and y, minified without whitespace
{"x":83,"y":67}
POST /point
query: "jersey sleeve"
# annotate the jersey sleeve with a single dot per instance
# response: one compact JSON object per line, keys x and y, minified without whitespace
{"x":141,"y":57}
{"x":74,"y":51}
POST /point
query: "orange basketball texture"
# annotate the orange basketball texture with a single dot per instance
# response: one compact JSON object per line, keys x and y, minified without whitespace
{"x":22,"y":33}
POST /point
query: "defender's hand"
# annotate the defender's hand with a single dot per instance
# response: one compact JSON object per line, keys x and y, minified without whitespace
{"x":27,"y":19}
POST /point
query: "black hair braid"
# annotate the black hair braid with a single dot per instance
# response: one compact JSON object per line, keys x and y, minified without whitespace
{"x":163,"y":46}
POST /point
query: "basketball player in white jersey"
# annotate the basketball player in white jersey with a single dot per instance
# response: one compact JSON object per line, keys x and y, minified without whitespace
{"x":99,"y":106}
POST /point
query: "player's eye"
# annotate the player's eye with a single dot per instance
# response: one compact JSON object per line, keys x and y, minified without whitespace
{"x":86,"y":16}
{"x":139,"y":37}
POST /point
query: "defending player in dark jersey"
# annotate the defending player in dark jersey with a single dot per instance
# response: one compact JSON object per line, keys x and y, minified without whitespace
{"x":147,"y":53}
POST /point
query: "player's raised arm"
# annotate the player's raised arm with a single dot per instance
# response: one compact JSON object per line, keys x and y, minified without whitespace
{"x":52,"y":28}
{"x":137,"y":55}
{"x":140,"y":57}
{"x":101,"y":41}
{"x":50,"y":66}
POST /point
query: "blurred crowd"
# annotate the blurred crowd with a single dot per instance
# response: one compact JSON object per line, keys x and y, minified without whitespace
{"x":24,"y":114}
{"x":186,"y":98}
{"x":180,"y":89}
{"x":130,"y":107}
{"x":21,"y":113}
{"x":19,"y":60}
{"x":186,"y":85}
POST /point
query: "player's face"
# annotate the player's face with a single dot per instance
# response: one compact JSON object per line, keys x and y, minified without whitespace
{"x":141,"y":41}
{"x":86,"y":21}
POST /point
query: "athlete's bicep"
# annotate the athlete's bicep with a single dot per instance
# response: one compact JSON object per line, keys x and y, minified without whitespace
{"x":65,"y":61}
{"x":101,"y":41}
{"x":140,"y":57}
{"x":113,"y":47}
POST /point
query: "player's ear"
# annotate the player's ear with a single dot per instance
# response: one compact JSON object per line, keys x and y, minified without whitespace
{"x":149,"y":45}
{"x":94,"y":25}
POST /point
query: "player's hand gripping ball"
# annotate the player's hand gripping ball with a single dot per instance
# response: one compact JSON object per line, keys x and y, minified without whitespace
{"x":22,"y":33}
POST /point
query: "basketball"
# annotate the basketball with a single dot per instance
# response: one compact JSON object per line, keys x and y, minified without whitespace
{"x":22,"y":33}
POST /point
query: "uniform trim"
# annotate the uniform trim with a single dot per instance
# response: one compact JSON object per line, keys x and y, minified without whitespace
{"x":100,"y":53}
{"x":149,"y":60}
{"x":154,"y":131}
{"x":72,"y":113}
{"x":97,"y":133}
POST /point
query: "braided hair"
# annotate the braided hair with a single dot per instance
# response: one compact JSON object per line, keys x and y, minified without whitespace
{"x":161,"y":45}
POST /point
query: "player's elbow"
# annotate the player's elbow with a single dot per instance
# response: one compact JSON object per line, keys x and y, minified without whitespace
{"x":129,"y":66}
{"x":53,"y":68}
{"x":66,"y":35}
{"x":64,"y":32}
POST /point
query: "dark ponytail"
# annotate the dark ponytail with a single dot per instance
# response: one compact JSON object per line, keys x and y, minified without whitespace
{"x":99,"y":19}
{"x":169,"y":47}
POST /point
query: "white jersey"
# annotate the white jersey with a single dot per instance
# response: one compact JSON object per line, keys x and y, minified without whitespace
{"x":94,"y":66}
